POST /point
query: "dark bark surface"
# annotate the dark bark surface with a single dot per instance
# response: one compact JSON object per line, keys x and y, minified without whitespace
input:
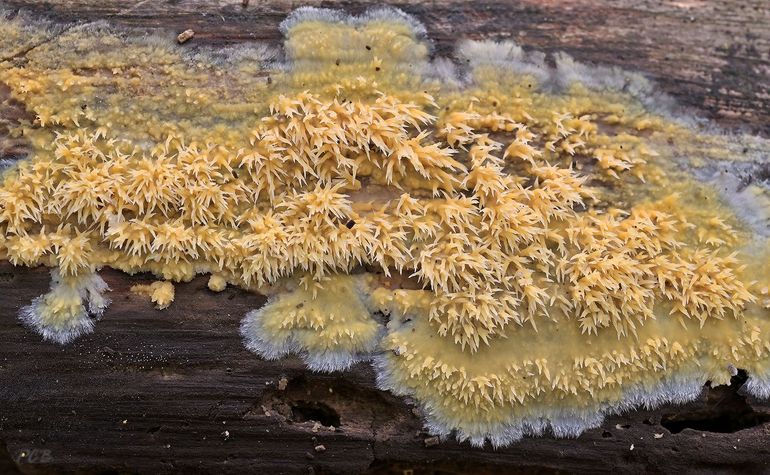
{"x":175,"y":390}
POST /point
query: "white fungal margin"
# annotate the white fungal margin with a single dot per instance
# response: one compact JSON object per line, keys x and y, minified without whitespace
{"x":6,"y":163}
{"x":504,"y":55}
{"x":758,"y":386}
{"x":561,"y":423}
{"x":510,"y":57}
{"x":258,"y":340}
{"x":736,"y":183}
{"x":31,"y":316}
{"x":53,"y":321}
{"x":328,"y":15}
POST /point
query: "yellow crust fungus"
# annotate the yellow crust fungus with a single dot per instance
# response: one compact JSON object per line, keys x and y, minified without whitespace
{"x":161,"y":293}
{"x":217,"y":283}
{"x":521,"y":248}
{"x":69,"y":309}
{"x":329,"y":323}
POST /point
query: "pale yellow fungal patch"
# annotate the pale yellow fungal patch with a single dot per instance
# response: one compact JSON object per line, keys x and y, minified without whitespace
{"x":348,"y":60}
{"x":328,"y":322}
{"x":68,"y":310}
{"x":160,"y":292}
{"x":217,"y":283}
{"x":555,"y":372}
{"x":17,"y":36}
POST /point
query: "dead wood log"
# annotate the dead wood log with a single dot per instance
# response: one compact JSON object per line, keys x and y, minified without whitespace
{"x":176,"y":391}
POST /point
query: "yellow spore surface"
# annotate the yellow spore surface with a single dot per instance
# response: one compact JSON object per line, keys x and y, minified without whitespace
{"x":520,"y":248}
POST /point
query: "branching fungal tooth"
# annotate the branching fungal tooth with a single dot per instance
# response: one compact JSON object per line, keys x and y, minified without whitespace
{"x":521,"y":249}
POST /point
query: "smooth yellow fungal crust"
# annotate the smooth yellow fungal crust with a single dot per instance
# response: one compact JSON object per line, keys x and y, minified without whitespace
{"x":161,"y":293}
{"x":327,"y":322}
{"x":520,"y":248}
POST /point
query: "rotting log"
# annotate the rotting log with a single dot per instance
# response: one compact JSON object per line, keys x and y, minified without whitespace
{"x":176,"y":391}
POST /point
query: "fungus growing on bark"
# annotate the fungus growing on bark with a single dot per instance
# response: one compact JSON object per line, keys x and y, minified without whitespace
{"x":69,"y":309}
{"x":161,"y":293}
{"x":329,"y":324}
{"x":520,"y":248}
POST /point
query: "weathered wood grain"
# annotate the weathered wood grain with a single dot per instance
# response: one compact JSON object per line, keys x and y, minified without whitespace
{"x":172,"y":391}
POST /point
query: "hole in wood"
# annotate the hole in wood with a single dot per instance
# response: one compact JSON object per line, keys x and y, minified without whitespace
{"x":306,"y":411}
{"x":725,"y":411}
